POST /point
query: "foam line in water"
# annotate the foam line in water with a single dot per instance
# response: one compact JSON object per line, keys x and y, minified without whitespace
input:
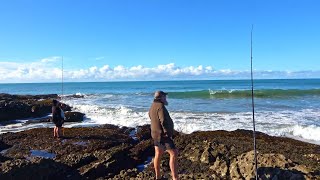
{"x":303,"y":124}
{"x":245,"y":93}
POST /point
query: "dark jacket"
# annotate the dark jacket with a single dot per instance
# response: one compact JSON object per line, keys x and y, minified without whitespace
{"x":56,"y":115}
{"x":161,"y":122}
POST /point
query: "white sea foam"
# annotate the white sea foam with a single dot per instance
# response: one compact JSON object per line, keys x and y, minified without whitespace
{"x":119,"y":115}
{"x":307,"y":132}
{"x":22,"y":127}
{"x":80,"y":94}
{"x":213,"y":92}
{"x":303,"y":124}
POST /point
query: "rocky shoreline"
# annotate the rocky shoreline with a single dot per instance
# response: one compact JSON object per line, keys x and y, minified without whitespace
{"x":112,"y":152}
{"x":14,"y":107}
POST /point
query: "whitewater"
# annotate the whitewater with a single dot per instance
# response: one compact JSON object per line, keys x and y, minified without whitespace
{"x":288,"y":108}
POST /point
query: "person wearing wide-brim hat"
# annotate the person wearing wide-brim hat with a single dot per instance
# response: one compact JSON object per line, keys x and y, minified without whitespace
{"x":162,"y":132}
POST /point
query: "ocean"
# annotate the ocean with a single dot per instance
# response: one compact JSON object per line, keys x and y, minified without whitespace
{"x":283,"y":107}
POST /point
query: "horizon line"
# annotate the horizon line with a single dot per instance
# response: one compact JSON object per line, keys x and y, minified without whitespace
{"x":59,"y":82}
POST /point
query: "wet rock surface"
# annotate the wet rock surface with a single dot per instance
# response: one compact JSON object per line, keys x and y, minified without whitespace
{"x":73,"y":116}
{"x":14,"y":107}
{"x":110,"y":152}
{"x":24,"y":106}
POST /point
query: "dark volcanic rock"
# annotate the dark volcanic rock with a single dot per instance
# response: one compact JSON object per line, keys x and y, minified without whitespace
{"x":3,"y":159}
{"x":14,"y":107}
{"x":74,"y":96}
{"x":10,"y":97}
{"x":144,"y":132}
{"x":92,"y":152}
{"x":73,"y":116}
{"x":65,"y":107}
{"x":228,"y":155}
{"x":37,"y":168}
{"x":143,"y":150}
{"x":108,"y":152}
{"x":3,"y":146}
{"x":24,"y":106}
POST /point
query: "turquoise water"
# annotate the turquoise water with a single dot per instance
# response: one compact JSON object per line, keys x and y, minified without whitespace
{"x":283,"y":107}
{"x":201,"y":96}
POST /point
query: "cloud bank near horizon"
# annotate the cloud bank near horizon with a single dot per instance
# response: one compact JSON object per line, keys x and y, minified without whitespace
{"x":49,"y":70}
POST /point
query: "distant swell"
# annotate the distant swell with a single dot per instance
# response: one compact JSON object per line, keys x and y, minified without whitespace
{"x":265,"y":93}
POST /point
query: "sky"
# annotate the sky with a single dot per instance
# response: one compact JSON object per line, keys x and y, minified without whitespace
{"x":119,"y":40}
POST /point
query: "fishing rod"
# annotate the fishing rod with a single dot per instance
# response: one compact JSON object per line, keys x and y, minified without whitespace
{"x":61,"y":78}
{"x":253,"y":120}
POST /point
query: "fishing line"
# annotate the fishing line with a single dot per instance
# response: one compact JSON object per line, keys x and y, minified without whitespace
{"x":61,"y":78}
{"x":253,"y":120}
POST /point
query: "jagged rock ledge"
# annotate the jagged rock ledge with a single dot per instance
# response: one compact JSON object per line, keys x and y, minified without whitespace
{"x":110,"y":152}
{"x":14,"y":107}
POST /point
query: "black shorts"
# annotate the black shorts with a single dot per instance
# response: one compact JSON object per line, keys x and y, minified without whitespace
{"x":58,"y":124}
{"x":165,"y":143}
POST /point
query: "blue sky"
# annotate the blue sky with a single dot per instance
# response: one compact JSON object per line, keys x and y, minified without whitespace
{"x":133,"y":39}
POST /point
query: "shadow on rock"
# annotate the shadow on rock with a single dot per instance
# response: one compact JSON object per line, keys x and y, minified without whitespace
{"x":277,"y":173}
{"x":37,"y":169}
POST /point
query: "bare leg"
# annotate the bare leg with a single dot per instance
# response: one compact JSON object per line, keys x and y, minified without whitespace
{"x":54,"y":132}
{"x":173,"y":163}
{"x":156,"y":161}
{"x":57,"y":132}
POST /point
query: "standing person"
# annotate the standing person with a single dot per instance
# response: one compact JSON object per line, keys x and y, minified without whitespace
{"x":162,"y":132}
{"x":57,"y":118}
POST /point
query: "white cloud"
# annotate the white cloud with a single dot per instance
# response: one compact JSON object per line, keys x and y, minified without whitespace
{"x":43,"y":71}
{"x":120,"y":68}
{"x":39,"y":71}
{"x":8,"y":65}
{"x":51,"y":59}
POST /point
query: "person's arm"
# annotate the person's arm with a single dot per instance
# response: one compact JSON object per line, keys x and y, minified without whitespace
{"x":162,"y":120}
{"x":53,"y":110}
{"x":62,"y":114}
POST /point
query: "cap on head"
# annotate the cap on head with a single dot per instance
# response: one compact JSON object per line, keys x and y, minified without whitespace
{"x":55,"y":102}
{"x":159,"y":94}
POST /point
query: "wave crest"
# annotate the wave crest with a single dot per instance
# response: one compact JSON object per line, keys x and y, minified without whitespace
{"x":264,"y":93}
